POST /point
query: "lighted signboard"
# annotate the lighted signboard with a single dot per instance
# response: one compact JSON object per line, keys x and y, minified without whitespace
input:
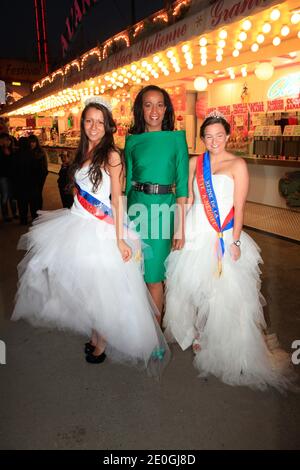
{"x":286,"y":86}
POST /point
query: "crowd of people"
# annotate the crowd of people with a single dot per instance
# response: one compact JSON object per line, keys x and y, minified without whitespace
{"x":180,"y":251}
{"x":23,"y":171}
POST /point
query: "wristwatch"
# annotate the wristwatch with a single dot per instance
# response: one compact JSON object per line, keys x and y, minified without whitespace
{"x":237,"y":242}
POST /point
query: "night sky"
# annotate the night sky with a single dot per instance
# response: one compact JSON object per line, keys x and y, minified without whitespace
{"x":106,"y":18}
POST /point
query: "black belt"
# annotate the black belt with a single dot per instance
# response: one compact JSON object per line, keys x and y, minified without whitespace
{"x":150,"y":188}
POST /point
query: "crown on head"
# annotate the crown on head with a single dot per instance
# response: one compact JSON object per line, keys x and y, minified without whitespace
{"x":98,"y":100}
{"x":216,"y":114}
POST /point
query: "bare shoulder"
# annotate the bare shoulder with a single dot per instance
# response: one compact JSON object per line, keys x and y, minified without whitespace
{"x":193,"y":161}
{"x":114,"y":158}
{"x":238,"y":165}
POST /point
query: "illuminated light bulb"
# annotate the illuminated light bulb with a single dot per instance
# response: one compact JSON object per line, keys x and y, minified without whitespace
{"x":220,"y":51}
{"x":144,"y":63}
{"x":203,"y":42}
{"x":216,"y":72}
{"x":170,"y":53}
{"x":160,"y":63}
{"x":156,"y":59}
{"x":133,"y":78}
{"x":106,"y":78}
{"x":244,"y":73}
{"x":223,"y":34}
{"x":210,"y":81}
{"x":166,"y":72}
{"x":285,"y":30}
{"x":133,"y":67}
{"x":266,"y":28}
{"x":232,"y":76}
{"x":200,"y":83}
{"x":112,"y":80}
{"x":120,"y":78}
{"x":128,"y":74}
{"x":138,"y":80}
{"x":125,"y":80}
{"x":156,"y":75}
{"x":276,"y":41}
{"x":149,"y":67}
{"x":264,"y":71}
{"x":246,"y":25}
{"x":124,"y":71}
{"x":114,"y":87}
{"x":295,"y":18}
{"x":260,"y":38}
{"x":293,"y":54}
{"x":235,"y":53}
{"x":177,"y":69}
{"x":254,"y":47}
{"x":238,"y":45}
{"x":275,"y":14}
{"x":219,"y":58}
{"x":203,"y":62}
{"x":203,"y":50}
{"x":173,"y":60}
{"x":147,"y":78}
{"x":143,"y":75}
{"x":298,"y":35}
{"x":114,"y":74}
{"x":222,"y":43}
{"x":242,"y":36}
{"x":138,"y":72}
{"x":185,"y":48}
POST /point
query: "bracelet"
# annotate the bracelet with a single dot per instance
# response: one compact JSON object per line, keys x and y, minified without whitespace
{"x":237,"y":243}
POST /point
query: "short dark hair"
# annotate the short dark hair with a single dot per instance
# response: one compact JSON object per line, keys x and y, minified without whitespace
{"x":139,"y":124}
{"x":214,"y":120}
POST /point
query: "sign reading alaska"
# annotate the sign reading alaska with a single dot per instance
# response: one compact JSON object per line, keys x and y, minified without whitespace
{"x":286,"y":86}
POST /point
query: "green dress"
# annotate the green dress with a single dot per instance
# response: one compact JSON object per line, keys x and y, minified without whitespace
{"x":158,"y":158}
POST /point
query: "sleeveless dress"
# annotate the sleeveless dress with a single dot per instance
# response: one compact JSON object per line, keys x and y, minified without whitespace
{"x":224,"y":314}
{"x":73,"y":277}
{"x":160,"y":158}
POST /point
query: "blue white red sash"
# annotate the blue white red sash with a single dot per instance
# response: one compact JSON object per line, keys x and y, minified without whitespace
{"x":210,"y":203}
{"x":103,"y":212}
{"x":94,"y":206}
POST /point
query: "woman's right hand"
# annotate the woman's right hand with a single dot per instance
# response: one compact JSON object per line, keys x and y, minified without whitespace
{"x":125,"y":250}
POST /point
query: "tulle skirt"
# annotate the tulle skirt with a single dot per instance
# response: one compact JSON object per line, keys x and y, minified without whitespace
{"x":222,"y":315}
{"x":73,"y":278}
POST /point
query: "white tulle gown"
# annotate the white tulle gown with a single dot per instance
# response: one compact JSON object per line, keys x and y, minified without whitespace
{"x":223,"y":314}
{"x":73,"y":277}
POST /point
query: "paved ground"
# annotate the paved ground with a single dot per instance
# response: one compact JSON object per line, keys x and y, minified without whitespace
{"x":50,"y":398}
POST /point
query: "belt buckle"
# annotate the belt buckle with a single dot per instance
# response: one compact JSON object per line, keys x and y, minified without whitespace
{"x":156,"y":189}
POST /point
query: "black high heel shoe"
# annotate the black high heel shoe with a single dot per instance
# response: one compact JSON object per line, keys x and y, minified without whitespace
{"x":89,"y":348}
{"x":92,"y":359}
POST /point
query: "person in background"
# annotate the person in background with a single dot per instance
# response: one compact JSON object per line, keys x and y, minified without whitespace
{"x":63,"y":181}
{"x":39,"y":174}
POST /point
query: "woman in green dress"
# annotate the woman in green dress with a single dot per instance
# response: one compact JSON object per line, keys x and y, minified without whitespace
{"x":156,"y":182}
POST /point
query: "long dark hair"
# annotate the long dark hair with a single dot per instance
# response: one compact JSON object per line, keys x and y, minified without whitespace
{"x":138,"y":112}
{"x":214,"y":120}
{"x":100,"y":154}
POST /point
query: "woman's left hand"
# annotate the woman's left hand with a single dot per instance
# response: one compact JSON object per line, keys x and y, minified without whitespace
{"x":178,"y":241}
{"x":235,"y":252}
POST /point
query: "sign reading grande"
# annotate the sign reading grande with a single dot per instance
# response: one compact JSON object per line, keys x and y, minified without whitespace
{"x":79,"y":8}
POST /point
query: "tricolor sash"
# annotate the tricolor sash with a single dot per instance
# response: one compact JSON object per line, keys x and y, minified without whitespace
{"x":210,"y":203}
{"x":94,"y":206}
{"x":103,"y":212}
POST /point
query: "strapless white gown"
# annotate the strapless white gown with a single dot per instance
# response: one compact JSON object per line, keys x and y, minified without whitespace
{"x":73,"y":277}
{"x":224,"y":313}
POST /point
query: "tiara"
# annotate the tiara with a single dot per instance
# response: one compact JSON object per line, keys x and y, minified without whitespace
{"x":215,"y":114}
{"x":98,"y":100}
